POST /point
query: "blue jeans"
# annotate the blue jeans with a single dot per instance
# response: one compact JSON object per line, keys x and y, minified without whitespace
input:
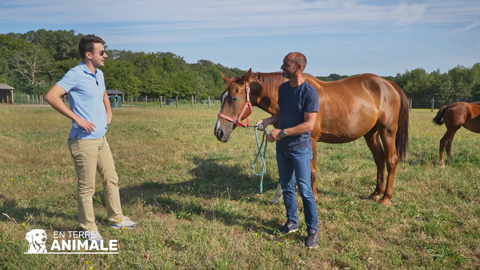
{"x":296,"y":165}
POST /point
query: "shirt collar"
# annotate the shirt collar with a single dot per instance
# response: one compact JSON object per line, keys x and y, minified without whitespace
{"x":86,"y":69}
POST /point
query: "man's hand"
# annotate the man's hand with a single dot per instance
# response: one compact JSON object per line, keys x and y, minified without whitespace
{"x":87,"y":125}
{"x":274,"y":135}
{"x":261,"y":125}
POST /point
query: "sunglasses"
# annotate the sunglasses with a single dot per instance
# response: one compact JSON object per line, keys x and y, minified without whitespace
{"x":102,"y":53}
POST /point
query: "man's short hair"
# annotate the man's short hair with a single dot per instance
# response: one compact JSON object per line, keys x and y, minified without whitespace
{"x":86,"y":44}
{"x":299,"y":59}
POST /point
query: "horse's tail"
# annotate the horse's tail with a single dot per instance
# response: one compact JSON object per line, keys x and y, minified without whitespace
{"x":401,"y":137}
{"x":438,"y":120}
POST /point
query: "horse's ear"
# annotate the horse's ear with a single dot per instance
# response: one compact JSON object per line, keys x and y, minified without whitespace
{"x":246,"y":77}
{"x":225,"y":78}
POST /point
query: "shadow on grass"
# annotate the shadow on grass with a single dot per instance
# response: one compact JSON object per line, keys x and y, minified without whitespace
{"x":211,"y":181}
{"x":35,"y":214}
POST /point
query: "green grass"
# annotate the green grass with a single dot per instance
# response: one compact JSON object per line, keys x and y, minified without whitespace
{"x":198,"y":204}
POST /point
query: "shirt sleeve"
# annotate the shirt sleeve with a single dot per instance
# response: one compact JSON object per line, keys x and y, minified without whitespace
{"x":69,"y":80}
{"x":311,"y":100}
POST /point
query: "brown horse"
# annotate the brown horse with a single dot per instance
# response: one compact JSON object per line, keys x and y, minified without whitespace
{"x":364,"y":105}
{"x":455,"y":116}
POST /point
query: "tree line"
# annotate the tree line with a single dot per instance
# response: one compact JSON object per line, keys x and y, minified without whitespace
{"x":32,"y":62}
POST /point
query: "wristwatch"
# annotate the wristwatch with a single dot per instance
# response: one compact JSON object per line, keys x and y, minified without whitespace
{"x":283,"y":134}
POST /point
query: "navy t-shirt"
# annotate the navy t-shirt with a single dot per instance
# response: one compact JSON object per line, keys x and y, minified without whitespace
{"x":293,"y":103}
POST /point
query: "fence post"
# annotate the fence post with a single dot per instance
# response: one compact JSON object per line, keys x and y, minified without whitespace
{"x":433,"y":103}
{"x":192,"y":101}
{"x":176,"y":101}
{"x":131,"y":101}
{"x":209,"y":102}
{"x":146,"y":101}
{"x":161,"y":101}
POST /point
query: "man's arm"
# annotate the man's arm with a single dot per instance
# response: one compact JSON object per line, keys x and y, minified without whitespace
{"x":268,"y":121}
{"x":54,"y":98}
{"x":108,"y":108}
{"x":308,"y":125}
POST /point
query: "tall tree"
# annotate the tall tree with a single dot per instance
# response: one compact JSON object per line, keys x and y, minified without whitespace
{"x":30,"y":63}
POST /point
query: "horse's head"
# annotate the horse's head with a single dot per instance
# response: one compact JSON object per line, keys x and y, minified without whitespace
{"x":234,"y":107}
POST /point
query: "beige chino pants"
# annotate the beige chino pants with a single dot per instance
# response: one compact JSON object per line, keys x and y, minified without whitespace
{"x":90,"y":156}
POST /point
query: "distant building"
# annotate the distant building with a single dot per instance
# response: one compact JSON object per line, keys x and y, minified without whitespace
{"x":116,"y":93}
{"x":6,"y":93}
{"x":116,"y":98}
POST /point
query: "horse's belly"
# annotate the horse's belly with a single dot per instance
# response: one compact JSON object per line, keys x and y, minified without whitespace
{"x":473,"y":125}
{"x":330,"y":138}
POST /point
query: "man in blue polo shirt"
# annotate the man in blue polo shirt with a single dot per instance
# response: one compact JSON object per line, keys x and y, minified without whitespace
{"x":90,"y":113}
{"x":298,"y":108}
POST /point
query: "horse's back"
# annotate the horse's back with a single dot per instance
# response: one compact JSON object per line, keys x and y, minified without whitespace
{"x":350,"y":108}
{"x":461,"y":114}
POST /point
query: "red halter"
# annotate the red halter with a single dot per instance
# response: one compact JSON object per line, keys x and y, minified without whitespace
{"x":238,"y":121}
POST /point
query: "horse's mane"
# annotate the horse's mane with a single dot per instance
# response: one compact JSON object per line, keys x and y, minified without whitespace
{"x":268,"y":80}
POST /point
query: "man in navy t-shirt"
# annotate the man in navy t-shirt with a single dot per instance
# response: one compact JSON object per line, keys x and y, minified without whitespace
{"x":298,"y":103}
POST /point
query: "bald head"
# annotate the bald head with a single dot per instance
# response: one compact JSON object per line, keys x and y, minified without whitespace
{"x":299,"y":59}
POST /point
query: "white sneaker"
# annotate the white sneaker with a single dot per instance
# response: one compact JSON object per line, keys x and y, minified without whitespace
{"x":93,"y":236}
{"x":125,"y":223}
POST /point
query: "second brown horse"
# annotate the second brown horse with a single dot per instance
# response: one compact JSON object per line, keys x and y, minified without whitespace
{"x":455,"y":116}
{"x":360,"y":106}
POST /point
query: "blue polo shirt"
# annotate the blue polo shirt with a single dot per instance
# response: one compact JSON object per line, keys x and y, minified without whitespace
{"x":85,"y":94}
{"x":294,"y":102}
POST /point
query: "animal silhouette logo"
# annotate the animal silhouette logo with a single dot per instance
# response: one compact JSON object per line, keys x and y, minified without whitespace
{"x":36,"y":241}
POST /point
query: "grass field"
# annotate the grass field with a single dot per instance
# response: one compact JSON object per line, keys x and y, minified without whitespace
{"x":198,"y":204}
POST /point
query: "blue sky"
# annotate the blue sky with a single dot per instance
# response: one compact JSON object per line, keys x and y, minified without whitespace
{"x":344,"y":37}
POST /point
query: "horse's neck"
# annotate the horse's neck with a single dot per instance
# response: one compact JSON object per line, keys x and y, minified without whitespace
{"x":265,"y":95}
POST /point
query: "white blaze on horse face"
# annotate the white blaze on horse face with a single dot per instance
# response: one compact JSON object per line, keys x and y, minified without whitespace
{"x":221,"y":107}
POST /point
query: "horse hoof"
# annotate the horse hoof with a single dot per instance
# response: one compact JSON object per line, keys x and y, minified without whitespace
{"x":375,"y":197}
{"x":385,"y":202}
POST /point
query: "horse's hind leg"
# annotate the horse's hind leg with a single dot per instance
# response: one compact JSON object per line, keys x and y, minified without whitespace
{"x":388,"y":141}
{"x":377,"y":150}
{"x":446,"y":142}
{"x":449,"y":149}
{"x":443,"y":142}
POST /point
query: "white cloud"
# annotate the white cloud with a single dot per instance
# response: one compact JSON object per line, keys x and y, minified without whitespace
{"x":471,"y":26}
{"x":408,"y":13}
{"x":231,"y":13}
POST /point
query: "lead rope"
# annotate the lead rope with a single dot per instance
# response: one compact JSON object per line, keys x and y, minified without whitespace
{"x":260,"y":154}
